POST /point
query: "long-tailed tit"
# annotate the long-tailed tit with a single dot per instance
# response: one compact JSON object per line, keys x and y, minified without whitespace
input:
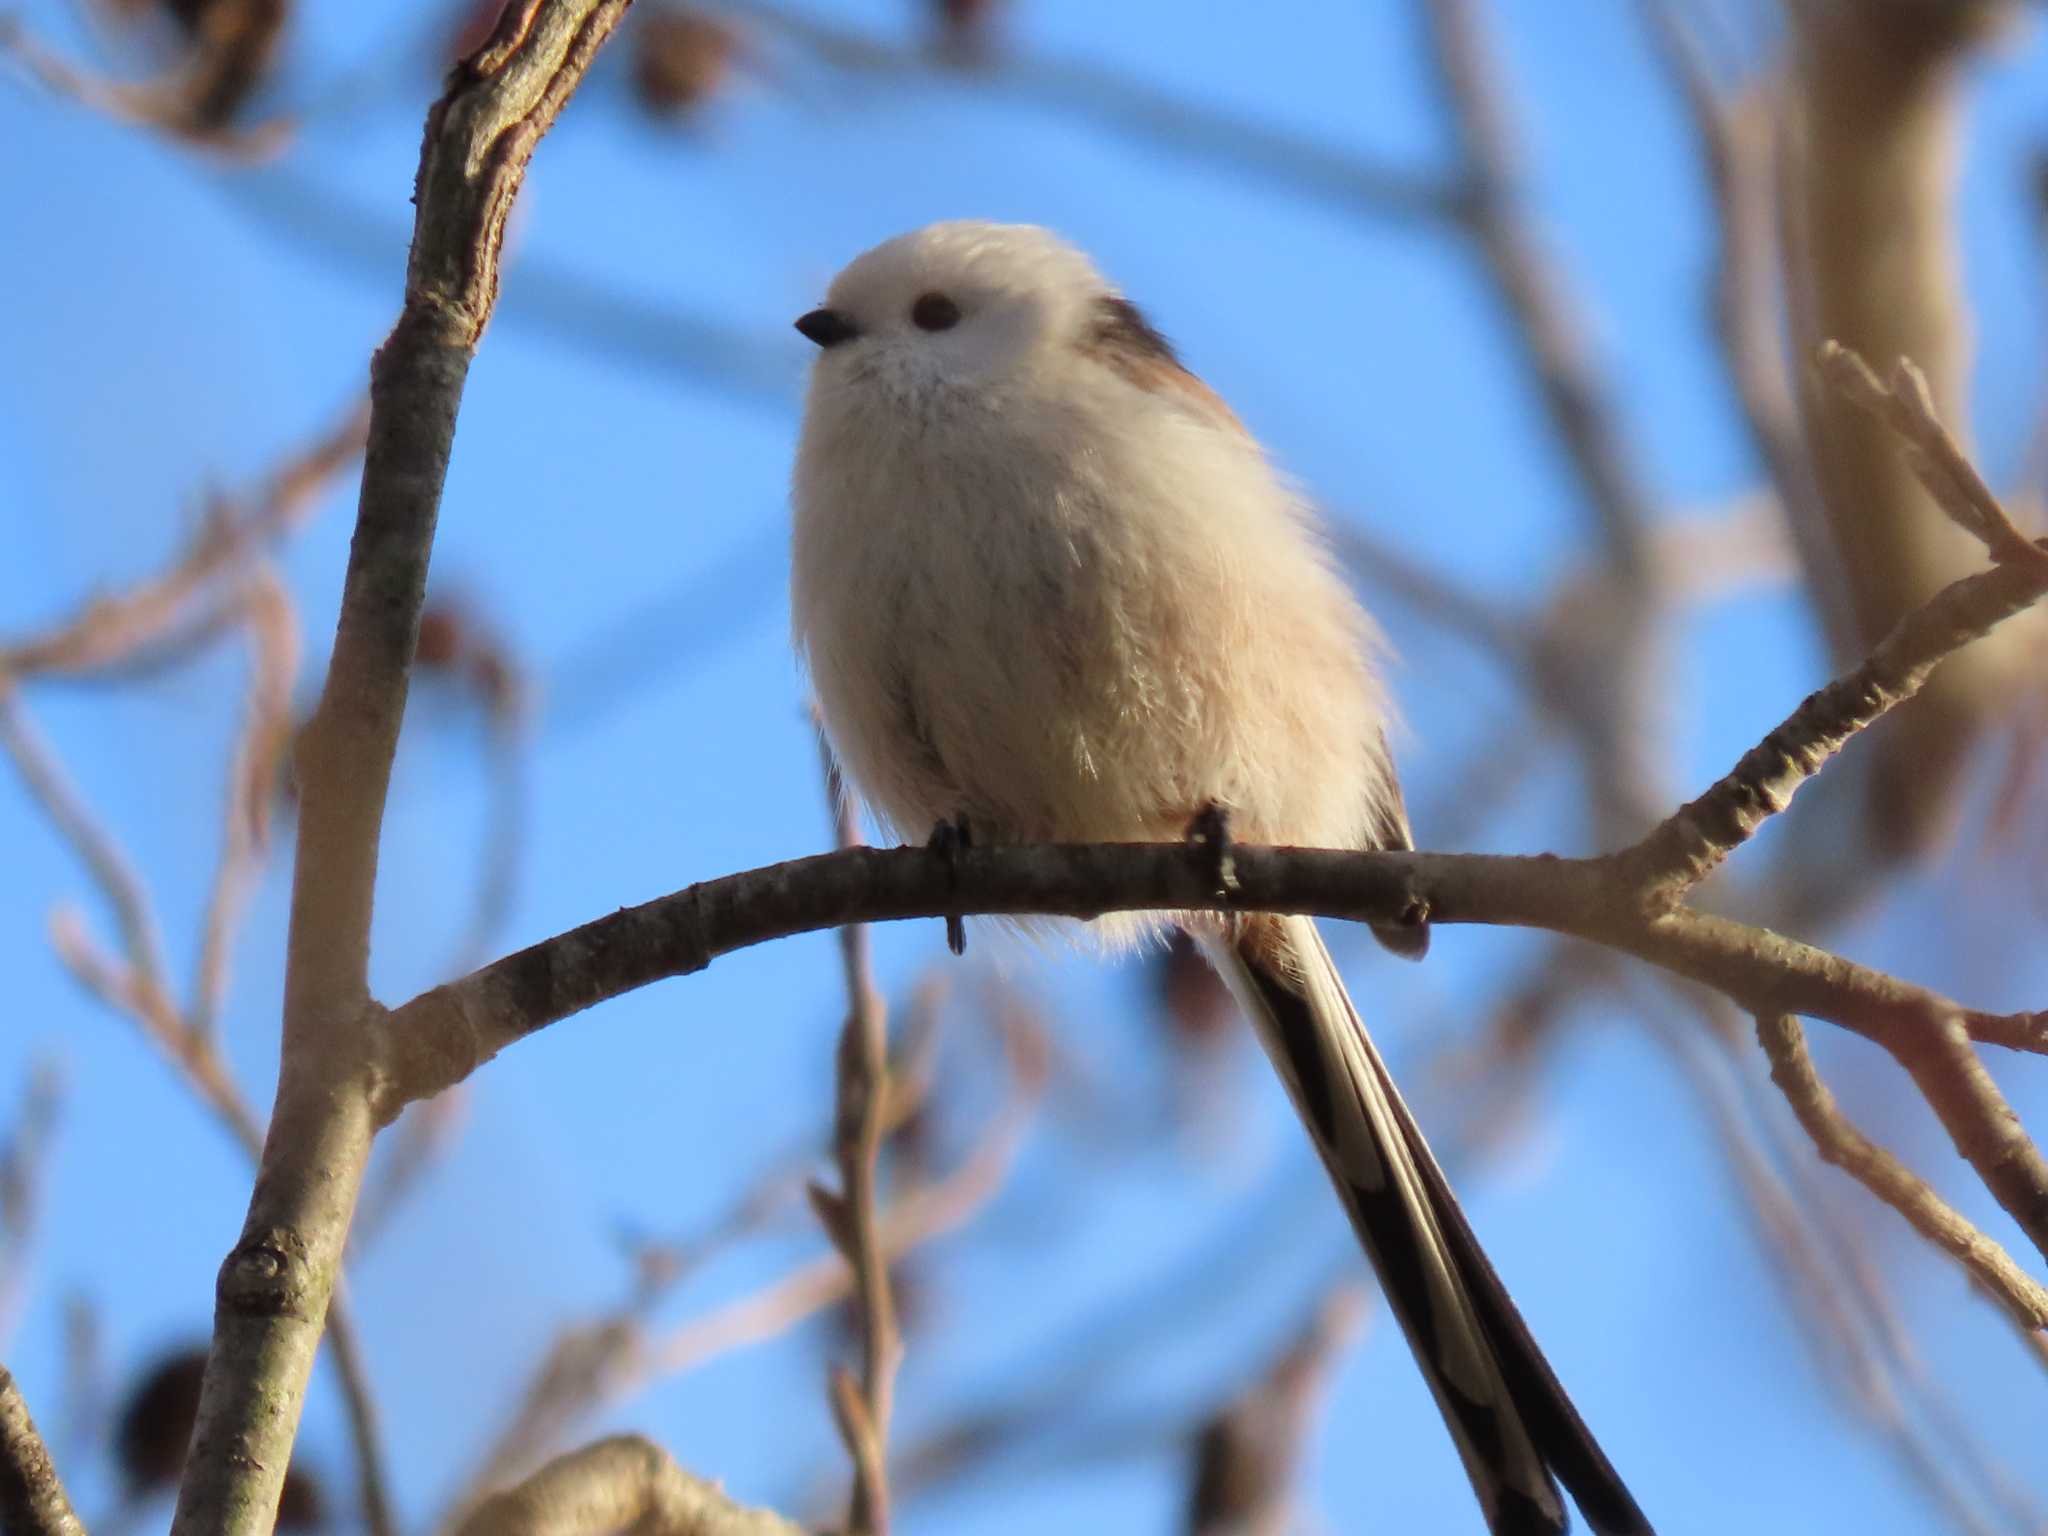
{"x":1046,"y":582}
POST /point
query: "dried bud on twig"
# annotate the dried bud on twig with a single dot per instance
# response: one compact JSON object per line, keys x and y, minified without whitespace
{"x":965,"y":30}
{"x":234,"y":43}
{"x":680,"y":60}
{"x":155,"y":1426}
{"x":224,"y":52}
{"x":155,"y":1423}
{"x":453,"y":643}
{"x":1194,"y":1003}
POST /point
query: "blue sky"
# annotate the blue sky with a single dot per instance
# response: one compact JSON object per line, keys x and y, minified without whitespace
{"x":617,"y":509}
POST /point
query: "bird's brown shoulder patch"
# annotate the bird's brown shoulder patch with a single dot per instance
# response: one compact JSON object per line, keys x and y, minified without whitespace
{"x":1121,"y":338}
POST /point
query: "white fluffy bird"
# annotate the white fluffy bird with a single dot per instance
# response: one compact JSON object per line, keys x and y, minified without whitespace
{"x":1046,"y":584}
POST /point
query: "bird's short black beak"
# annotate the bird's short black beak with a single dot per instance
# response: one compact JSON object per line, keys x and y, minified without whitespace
{"x":827,"y":327}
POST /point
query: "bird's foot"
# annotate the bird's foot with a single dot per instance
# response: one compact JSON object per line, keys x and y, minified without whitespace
{"x":1208,"y":838}
{"x":947,"y":840}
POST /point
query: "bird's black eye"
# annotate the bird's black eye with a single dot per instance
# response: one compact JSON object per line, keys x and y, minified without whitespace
{"x":934,"y":312}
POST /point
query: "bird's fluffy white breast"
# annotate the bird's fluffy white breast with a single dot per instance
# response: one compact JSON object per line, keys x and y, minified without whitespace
{"x":1071,"y":610}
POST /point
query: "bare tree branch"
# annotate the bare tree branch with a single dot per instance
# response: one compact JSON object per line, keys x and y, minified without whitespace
{"x":1546,"y":325}
{"x":1628,"y":901}
{"x":624,"y":1486}
{"x":1736,"y":130}
{"x":32,"y":1497}
{"x":1692,"y":843}
{"x":109,"y":632}
{"x":205,"y":1071}
{"x":193,"y":102}
{"x":1125,"y":104}
{"x":917,"y":1217}
{"x":1610,"y":713}
{"x":1248,"y":1455}
{"x":602,"y":1359}
{"x":446,"y":1033}
{"x":1905,"y":402}
{"x":136,"y":985}
{"x":275,"y":1286}
{"x":852,"y":1217}
{"x":24,"y":1166}
{"x":44,"y":779}
{"x":252,"y":790}
{"x":1838,"y":1140}
{"x":1871,"y":138}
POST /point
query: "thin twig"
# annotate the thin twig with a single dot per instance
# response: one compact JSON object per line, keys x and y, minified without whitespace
{"x":184,"y":106}
{"x":611,"y":1359}
{"x":1609,"y":714}
{"x":1839,"y":1141}
{"x":595,"y":1360}
{"x":120,"y":886}
{"x":116,"y":985}
{"x":24,"y":1165}
{"x":1841,"y":1298}
{"x":1546,"y":327}
{"x":1691,"y":843}
{"x":114,"y":632}
{"x":1736,"y":133}
{"x":1872,"y":124}
{"x":2014,"y":1031}
{"x":852,"y":1218}
{"x":1905,"y":403}
{"x":205,"y":1071}
{"x":917,"y":1217}
{"x":1785,"y":1230}
{"x":1248,"y":1455}
{"x":1123,"y":103}
{"x":252,"y":789}
{"x":1900,"y":1353}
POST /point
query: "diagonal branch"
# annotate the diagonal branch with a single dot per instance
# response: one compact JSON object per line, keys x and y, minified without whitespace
{"x":918,"y":1217}
{"x":111,"y":631}
{"x":1691,"y":844}
{"x":275,"y":1286}
{"x":1736,"y":132}
{"x":1550,"y":339}
{"x":45,"y":780}
{"x":1547,"y":329}
{"x":190,"y":104}
{"x":135,"y":985}
{"x":1905,"y":403}
{"x":32,"y":1497}
{"x":1838,"y":1140}
{"x":1872,"y":125}
{"x":1122,"y":102}
{"x":252,"y":790}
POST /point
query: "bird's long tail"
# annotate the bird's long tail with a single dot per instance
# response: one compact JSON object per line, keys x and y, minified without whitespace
{"x":1513,"y":1424}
